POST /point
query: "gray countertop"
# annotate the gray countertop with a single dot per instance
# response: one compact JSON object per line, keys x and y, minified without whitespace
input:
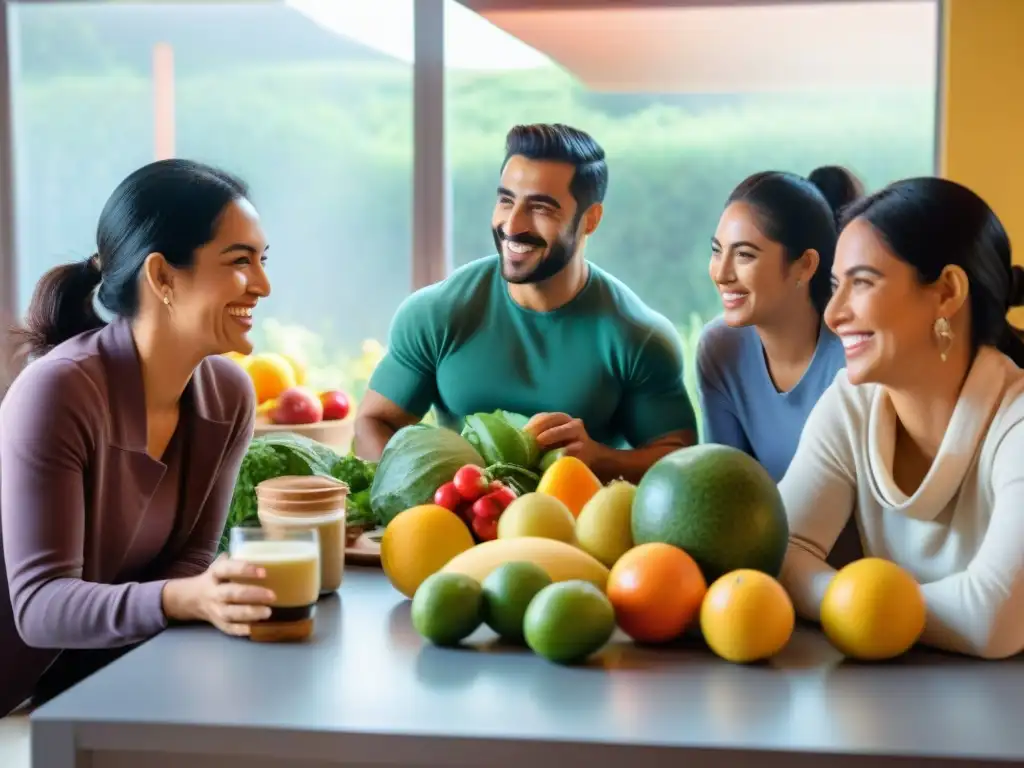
{"x":367,"y":673}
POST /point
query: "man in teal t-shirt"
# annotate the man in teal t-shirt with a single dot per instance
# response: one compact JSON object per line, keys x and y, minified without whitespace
{"x":538,"y":330}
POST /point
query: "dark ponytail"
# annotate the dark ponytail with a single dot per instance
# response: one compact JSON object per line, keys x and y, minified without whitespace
{"x":839,"y":186}
{"x":170,"y":207}
{"x":1012,"y":343}
{"x":61,"y":307}
{"x":931,"y":223}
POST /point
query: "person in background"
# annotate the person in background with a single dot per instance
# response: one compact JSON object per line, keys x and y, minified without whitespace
{"x":120,"y":441}
{"x":537,"y":329}
{"x":763,"y":363}
{"x":920,"y":438}
{"x":839,"y":186}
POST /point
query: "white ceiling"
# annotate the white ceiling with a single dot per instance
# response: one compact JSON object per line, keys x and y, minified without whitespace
{"x":732,"y":47}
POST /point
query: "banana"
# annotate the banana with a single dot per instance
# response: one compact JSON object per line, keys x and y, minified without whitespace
{"x":562,"y":561}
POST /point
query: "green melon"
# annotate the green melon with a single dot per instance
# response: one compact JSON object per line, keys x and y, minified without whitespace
{"x":718,"y":504}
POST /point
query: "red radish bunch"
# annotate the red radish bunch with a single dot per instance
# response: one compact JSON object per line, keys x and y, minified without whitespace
{"x":476,"y":500}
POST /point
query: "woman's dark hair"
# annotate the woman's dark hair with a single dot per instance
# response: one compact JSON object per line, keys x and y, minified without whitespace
{"x":170,"y":207}
{"x":839,"y":186}
{"x":793,"y":212}
{"x":931,"y":223}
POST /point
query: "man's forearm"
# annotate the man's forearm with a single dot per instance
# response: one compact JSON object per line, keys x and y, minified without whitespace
{"x":371,"y":435}
{"x":612,"y":464}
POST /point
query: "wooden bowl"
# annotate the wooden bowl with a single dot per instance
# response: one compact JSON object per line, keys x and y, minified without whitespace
{"x":335,"y":434}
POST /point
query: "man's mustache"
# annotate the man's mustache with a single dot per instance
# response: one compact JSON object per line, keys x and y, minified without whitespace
{"x":524,"y":238}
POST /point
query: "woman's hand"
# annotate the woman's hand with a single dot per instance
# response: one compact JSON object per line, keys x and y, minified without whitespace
{"x":215,"y":597}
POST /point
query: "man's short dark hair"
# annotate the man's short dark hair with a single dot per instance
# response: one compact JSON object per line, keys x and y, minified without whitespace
{"x":564,"y":144}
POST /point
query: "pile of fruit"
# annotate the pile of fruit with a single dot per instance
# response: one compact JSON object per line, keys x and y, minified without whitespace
{"x":696,"y":545}
{"x":282,"y":396}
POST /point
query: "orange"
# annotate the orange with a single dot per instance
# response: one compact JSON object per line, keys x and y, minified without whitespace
{"x":570,"y":481}
{"x":746,"y":616}
{"x":418,"y":542}
{"x":656,"y":590}
{"x":873,"y":610}
{"x":271,"y":375}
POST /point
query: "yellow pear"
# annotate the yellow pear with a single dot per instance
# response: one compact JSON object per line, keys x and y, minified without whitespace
{"x":603,"y":529}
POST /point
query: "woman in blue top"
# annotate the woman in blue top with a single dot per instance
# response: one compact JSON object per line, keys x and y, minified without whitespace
{"x":763,"y":363}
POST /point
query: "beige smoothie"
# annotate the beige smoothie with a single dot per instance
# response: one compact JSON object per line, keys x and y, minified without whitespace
{"x":293,"y":574}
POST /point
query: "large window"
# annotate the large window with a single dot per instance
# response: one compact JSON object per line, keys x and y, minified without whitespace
{"x":687,"y":102}
{"x":317,"y":118}
{"x":312,"y":102}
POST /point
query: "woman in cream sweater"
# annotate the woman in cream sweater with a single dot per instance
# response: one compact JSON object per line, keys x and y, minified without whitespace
{"x":921,"y":436}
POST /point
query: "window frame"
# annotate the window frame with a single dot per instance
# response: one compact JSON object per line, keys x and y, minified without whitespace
{"x":431,"y":248}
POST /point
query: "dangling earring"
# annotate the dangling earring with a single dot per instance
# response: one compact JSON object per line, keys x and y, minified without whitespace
{"x":945,"y":336}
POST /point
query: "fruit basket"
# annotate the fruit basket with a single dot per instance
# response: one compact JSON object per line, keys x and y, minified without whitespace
{"x":336,"y":433}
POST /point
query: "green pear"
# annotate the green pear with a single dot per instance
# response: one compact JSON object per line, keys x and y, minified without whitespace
{"x":603,"y":528}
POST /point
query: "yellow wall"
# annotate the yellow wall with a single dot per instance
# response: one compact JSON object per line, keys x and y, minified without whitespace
{"x":982,"y":136}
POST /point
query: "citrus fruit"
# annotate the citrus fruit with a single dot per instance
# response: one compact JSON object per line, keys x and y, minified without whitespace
{"x":418,"y":542}
{"x":537,"y":514}
{"x":446,"y":608}
{"x":603,"y":528}
{"x":298,"y":368}
{"x":568,"y":621}
{"x":873,"y":610}
{"x":718,"y":504}
{"x":746,"y":616}
{"x":508,"y":590}
{"x":656,"y":590}
{"x":571,"y":481}
{"x":271,"y":375}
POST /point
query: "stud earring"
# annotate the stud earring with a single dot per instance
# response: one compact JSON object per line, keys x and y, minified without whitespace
{"x":944,"y":334}
{"x":167,"y":299}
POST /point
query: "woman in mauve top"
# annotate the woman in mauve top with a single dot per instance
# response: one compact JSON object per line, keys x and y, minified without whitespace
{"x":920,"y":439}
{"x":120,"y":442}
{"x":763,"y":363}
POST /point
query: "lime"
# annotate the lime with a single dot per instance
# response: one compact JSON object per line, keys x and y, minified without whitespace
{"x":446,"y":608}
{"x":568,"y":621}
{"x":508,"y":590}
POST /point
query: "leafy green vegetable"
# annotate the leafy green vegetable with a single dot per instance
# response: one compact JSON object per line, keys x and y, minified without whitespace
{"x":499,"y":440}
{"x":519,"y":479}
{"x":287,"y":453}
{"x":417,"y":460}
{"x":358,"y":475}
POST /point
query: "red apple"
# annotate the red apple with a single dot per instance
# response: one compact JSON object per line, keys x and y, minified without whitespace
{"x":297,"y":405}
{"x":336,"y":404}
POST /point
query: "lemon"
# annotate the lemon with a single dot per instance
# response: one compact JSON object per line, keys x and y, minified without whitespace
{"x":873,"y":610}
{"x":537,"y":514}
{"x":418,"y":542}
{"x":746,"y":616}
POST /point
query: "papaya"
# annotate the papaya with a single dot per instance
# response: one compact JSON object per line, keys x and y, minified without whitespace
{"x":570,"y":481}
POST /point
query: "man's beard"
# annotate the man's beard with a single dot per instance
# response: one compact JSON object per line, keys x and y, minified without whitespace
{"x":558,"y":256}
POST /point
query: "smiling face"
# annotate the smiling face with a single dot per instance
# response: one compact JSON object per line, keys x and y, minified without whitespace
{"x":534,"y":219}
{"x":883,"y":313}
{"x":754,"y":277}
{"x":213,"y":302}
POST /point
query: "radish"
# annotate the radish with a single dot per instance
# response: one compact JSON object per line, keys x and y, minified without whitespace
{"x":501,"y":495}
{"x":448,"y":496}
{"x":487,"y":508}
{"x":486,"y":528}
{"x":470,"y":482}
